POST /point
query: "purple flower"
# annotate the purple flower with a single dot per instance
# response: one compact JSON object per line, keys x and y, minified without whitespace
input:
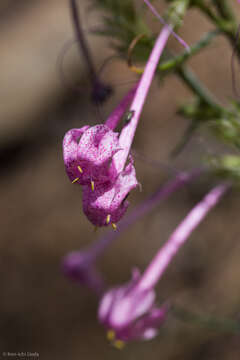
{"x":88,"y":152}
{"x":107,"y":203}
{"x":129,"y":311}
{"x":96,"y":157}
{"x":70,"y":150}
{"x":80,"y":267}
{"x":129,"y":314}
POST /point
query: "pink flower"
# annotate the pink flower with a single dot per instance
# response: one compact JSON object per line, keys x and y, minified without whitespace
{"x":130,"y":311}
{"x":80,"y":267}
{"x":129,"y":314}
{"x":107,"y":203}
{"x":88,"y":152}
{"x":96,"y":157}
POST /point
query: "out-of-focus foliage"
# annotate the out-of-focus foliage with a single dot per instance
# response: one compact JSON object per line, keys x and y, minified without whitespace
{"x":122,"y":23}
{"x":227,"y":166}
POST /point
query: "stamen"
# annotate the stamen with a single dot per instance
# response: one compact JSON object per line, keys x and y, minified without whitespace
{"x":75,"y":180}
{"x":80,"y":169}
{"x":108,"y":219}
{"x":111,"y":335}
{"x":114,"y":226}
{"x":92,"y":185}
{"x":96,"y":228}
{"x":119,"y":344}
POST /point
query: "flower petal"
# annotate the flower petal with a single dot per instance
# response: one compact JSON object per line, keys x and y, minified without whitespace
{"x":70,"y":147}
{"x":107,"y":203}
{"x":95,"y":150}
{"x":131,"y":314}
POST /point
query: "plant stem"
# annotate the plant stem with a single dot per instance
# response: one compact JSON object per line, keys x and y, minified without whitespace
{"x":227,"y":25}
{"x":177,"y":61}
{"x":100,"y":91}
{"x":210,"y":322}
{"x":162,"y":21}
{"x":83,"y":47}
{"x":224,"y":9}
{"x":195,"y":85}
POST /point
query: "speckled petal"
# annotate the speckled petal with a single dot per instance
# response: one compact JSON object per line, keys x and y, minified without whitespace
{"x":95,"y":151}
{"x":109,"y":198}
{"x":70,"y":147}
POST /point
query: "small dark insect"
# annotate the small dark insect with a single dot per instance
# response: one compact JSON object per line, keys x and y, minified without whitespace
{"x":128,"y":116}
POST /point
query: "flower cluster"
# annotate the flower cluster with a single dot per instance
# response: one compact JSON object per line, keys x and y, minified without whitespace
{"x":96,"y":157}
{"x":88,"y":153}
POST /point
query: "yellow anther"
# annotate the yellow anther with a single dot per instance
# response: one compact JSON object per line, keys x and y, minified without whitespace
{"x":75,"y":180}
{"x":119,"y":344}
{"x":111,"y":335}
{"x":114,"y":226}
{"x":108,"y":219}
{"x":136,"y":70}
{"x":92,"y":185}
{"x":80,"y":169}
{"x":96,"y":228}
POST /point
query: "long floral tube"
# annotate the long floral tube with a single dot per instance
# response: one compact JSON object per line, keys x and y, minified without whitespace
{"x":127,"y":134}
{"x":127,"y":310}
{"x":161,"y":261}
{"x":181,"y":179}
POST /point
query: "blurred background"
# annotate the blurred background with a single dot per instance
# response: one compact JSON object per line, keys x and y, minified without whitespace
{"x":41,"y":214}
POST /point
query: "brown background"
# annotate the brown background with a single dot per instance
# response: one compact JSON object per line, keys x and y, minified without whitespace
{"x":41,"y":216}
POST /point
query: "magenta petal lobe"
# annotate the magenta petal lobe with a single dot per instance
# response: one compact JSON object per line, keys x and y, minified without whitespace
{"x":95,"y":151}
{"x":131,"y":314}
{"x":107,"y":203}
{"x":70,"y":149}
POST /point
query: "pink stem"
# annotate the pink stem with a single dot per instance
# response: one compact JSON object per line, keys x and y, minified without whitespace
{"x":161,"y":261}
{"x":127,"y":134}
{"x":113,"y":120}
